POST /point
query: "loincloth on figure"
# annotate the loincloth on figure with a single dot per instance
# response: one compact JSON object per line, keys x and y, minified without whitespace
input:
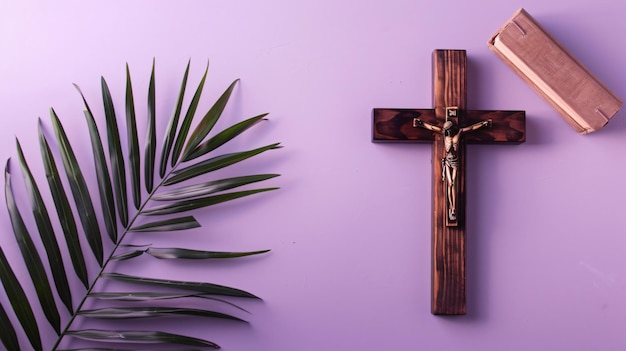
{"x":451,"y":162}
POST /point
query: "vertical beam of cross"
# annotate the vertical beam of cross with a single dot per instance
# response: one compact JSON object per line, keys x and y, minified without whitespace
{"x":448,"y":242}
{"x":448,"y":147}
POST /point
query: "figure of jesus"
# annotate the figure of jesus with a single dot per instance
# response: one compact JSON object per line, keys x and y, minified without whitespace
{"x":450,"y":163}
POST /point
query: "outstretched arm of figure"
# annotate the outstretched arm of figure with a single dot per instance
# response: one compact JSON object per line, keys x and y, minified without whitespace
{"x":419,"y":123}
{"x":485,"y":123}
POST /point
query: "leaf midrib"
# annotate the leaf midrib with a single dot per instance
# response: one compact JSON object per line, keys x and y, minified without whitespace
{"x":111,"y":255}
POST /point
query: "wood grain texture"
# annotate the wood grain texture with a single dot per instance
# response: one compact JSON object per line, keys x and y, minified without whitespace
{"x":507,"y":127}
{"x":448,"y":242}
{"x":396,"y":125}
{"x":399,"y":125}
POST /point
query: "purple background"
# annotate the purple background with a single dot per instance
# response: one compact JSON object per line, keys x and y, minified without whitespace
{"x":350,"y":228}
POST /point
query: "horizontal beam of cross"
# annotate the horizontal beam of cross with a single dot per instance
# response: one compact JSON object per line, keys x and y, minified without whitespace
{"x":396,"y":125}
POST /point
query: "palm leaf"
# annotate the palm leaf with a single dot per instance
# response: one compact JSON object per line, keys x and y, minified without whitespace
{"x":127,"y":255}
{"x":136,"y":296}
{"x":115,"y":154}
{"x":203,"y":287}
{"x":108,"y":349}
{"x":104,"y":181}
{"x":112,"y":193}
{"x":224,"y":136}
{"x":178,"y":253}
{"x":80,"y":191}
{"x":186,"y":124}
{"x":188,"y":205}
{"x":21,"y":307}
{"x":139,"y":337}
{"x":152,"y":311}
{"x":169,"y":253}
{"x":102,"y":171}
{"x":208,"y":122}
{"x":172,"y":224}
{"x":216,"y":163}
{"x":46,"y":233}
{"x":170,"y":133}
{"x":134,"y":245}
{"x":211,"y":187}
{"x":141,"y":296}
{"x":61,"y":203}
{"x":31,"y":256}
{"x":150,"y":148}
{"x":133,"y":143}
{"x":7,"y":332}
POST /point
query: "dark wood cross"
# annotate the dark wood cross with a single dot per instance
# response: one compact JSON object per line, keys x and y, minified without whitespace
{"x":449,"y":126}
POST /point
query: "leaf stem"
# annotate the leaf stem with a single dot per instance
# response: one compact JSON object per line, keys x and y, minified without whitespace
{"x":112,"y":253}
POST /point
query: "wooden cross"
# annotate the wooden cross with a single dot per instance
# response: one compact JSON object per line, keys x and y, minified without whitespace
{"x":449,"y":126}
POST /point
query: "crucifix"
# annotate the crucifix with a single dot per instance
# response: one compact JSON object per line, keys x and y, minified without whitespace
{"x":449,"y":127}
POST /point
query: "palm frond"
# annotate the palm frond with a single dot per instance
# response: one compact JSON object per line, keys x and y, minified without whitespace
{"x":80,"y":192}
{"x":192,"y":204}
{"x":21,"y":307}
{"x":115,"y":154}
{"x":186,"y":124}
{"x":170,"y":134}
{"x":134,"y":159}
{"x":211,"y":187}
{"x":111,"y":176}
{"x":180,"y":253}
{"x":46,"y":233}
{"x":153,"y":312}
{"x":8,"y":337}
{"x":168,"y":225}
{"x":150,"y":148}
{"x":139,"y":337}
{"x":223,"y":137}
{"x":142,"y":296}
{"x":215,"y":163}
{"x":127,"y":255}
{"x":64,"y":212}
{"x":104,"y":181}
{"x":31,"y":257}
{"x":208,"y":122}
{"x":170,"y":253}
{"x":108,"y":349}
{"x":202,"y":287}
